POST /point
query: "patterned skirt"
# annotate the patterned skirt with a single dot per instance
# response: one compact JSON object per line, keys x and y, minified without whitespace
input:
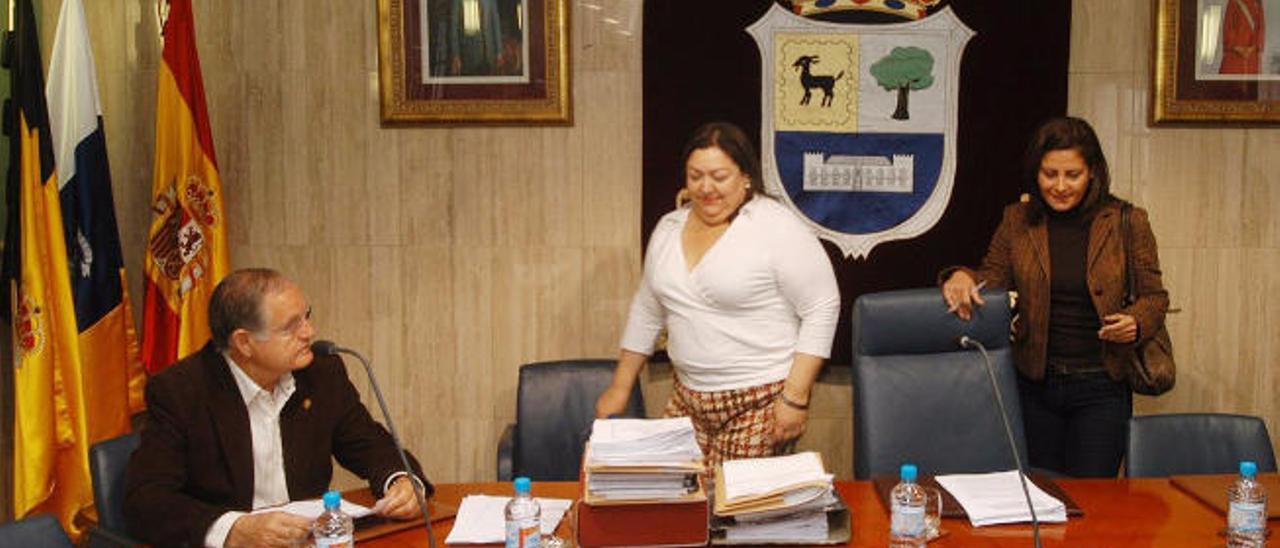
{"x":730,"y":424}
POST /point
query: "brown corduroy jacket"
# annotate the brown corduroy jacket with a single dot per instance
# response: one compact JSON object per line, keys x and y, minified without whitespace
{"x":1018,"y":260}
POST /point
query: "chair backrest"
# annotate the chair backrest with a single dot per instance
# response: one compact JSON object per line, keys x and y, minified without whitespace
{"x":555,"y":407}
{"x":1196,"y":443}
{"x":921,"y":398}
{"x":39,"y":530}
{"x":107,"y":462}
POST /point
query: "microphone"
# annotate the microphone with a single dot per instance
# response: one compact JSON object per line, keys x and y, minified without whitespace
{"x":966,"y":341}
{"x":329,"y":348}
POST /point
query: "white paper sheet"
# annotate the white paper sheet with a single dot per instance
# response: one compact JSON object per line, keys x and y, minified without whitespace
{"x":481,"y":521}
{"x":643,"y":442}
{"x":997,"y":497}
{"x":805,"y":526}
{"x":314,"y":507}
{"x":754,"y":477}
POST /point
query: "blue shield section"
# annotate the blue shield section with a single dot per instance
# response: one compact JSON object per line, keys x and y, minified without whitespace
{"x":878,"y":211}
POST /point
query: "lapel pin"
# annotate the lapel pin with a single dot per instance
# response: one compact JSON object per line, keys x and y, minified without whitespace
{"x":306,"y":404}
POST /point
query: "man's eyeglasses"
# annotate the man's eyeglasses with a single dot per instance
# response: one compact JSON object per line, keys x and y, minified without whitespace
{"x":291,"y":329}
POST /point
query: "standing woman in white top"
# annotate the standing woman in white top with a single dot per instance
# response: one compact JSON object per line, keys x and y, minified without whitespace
{"x":748,"y":299}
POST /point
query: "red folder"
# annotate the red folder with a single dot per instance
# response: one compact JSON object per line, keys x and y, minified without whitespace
{"x":678,"y":523}
{"x":659,"y":524}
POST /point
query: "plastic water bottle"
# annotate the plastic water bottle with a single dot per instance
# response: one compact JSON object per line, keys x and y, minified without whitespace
{"x":524,"y":518}
{"x":1247,"y":516}
{"x":334,"y":528}
{"x":906,"y":511}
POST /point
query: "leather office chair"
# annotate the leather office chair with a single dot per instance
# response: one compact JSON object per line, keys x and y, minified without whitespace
{"x":107,"y":462}
{"x":555,"y":406}
{"x":1196,"y":443}
{"x":921,"y":398}
{"x":41,"y":530}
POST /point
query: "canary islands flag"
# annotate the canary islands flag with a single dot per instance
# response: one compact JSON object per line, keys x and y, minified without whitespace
{"x":112,"y":372}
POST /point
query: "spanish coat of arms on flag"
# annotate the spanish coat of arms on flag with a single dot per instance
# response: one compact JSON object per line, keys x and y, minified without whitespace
{"x":858,"y":130}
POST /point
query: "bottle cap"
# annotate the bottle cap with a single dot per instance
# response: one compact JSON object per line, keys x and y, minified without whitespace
{"x":908,"y":472}
{"x":332,"y":500}
{"x":522,"y":484}
{"x":1248,"y":468}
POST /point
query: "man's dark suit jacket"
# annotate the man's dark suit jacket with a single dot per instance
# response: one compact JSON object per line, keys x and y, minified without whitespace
{"x":195,"y":460}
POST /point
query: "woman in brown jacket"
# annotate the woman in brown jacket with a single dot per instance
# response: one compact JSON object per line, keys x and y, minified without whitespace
{"x":1062,"y":252}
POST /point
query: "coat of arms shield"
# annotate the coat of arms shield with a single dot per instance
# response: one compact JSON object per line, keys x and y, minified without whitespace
{"x":859,"y":122}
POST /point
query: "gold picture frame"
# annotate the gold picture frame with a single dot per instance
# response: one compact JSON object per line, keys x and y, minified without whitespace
{"x":458,"y":62}
{"x":1208,"y":68}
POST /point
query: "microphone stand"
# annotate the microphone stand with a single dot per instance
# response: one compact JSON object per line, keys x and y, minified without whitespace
{"x":404,"y":459}
{"x":967,"y":342}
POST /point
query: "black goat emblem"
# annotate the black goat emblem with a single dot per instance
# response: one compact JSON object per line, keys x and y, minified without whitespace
{"x":826,"y":83}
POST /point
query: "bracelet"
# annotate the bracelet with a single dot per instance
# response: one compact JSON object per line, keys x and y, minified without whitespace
{"x":783,"y":396}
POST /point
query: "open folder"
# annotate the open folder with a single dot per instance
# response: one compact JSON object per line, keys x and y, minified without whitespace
{"x":778,"y":500}
{"x":773,"y":484}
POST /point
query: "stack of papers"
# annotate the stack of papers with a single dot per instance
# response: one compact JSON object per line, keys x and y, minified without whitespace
{"x":312,"y":508}
{"x":642,"y":461}
{"x":995,"y":498}
{"x":804,"y":527}
{"x":481,"y":520}
{"x":783,"y":499}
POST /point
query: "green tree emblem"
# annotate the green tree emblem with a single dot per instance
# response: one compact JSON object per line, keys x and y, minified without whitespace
{"x":904,"y":69}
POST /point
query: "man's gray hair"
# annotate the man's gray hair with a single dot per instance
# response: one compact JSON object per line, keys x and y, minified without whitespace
{"x":237,"y":302}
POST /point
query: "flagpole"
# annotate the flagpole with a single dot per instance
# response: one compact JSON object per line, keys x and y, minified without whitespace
{"x":162,"y":17}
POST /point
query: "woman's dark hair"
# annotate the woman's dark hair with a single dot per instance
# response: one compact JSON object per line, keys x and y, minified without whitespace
{"x":1067,"y":133}
{"x":734,"y":142}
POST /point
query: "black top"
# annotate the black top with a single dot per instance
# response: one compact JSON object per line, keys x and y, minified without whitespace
{"x":1073,"y":321}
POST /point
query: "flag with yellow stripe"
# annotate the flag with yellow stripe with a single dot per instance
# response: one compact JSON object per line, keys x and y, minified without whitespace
{"x":51,"y":472}
{"x":187,"y":244}
{"x":112,"y":371}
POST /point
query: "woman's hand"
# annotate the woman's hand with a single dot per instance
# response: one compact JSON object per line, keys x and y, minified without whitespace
{"x":788,"y":422}
{"x":962,"y":294}
{"x":613,"y":401}
{"x":1118,"y":328}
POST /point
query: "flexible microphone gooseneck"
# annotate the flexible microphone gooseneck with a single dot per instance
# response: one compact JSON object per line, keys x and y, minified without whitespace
{"x":328,"y":348}
{"x":969,"y":342}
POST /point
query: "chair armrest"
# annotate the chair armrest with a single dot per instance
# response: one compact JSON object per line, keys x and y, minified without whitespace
{"x":100,"y":537}
{"x":506,"y":452}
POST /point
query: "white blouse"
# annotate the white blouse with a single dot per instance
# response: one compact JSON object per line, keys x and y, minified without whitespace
{"x":764,"y":291}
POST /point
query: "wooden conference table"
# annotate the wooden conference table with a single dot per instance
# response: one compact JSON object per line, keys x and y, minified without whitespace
{"x":1118,"y":512}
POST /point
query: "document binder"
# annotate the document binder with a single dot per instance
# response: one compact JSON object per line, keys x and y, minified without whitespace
{"x":646,"y":524}
{"x":839,"y":528}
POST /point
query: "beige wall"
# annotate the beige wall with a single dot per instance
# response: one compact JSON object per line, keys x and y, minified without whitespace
{"x":1213,"y":196}
{"x":452,"y":255}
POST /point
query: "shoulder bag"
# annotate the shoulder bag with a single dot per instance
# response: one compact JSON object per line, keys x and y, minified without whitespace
{"x":1151,"y":368}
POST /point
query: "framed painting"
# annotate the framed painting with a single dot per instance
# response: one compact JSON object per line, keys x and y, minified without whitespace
{"x":1217,"y":61}
{"x":452,"y":62}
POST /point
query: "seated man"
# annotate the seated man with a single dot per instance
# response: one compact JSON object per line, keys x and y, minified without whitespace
{"x":251,"y":421}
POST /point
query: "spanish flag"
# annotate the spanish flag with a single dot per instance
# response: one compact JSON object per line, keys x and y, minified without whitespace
{"x":51,"y":470}
{"x":187,"y":244}
{"x":113,"y":376}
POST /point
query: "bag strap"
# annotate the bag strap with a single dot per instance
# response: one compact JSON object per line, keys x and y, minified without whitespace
{"x":1126,"y":235}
